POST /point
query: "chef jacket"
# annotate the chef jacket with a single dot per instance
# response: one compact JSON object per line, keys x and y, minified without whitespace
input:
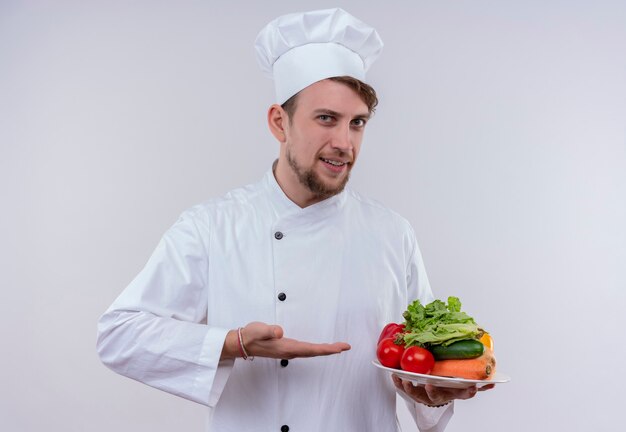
{"x":335,"y":271}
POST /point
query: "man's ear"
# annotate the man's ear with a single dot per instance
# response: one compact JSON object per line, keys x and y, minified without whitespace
{"x":278,"y":120}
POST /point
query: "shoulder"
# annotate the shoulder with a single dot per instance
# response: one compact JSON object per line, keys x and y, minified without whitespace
{"x":374,"y":208}
{"x":235,"y":202}
{"x":375,"y":213}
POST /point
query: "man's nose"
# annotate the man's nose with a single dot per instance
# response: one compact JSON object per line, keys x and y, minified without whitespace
{"x":342,"y":139}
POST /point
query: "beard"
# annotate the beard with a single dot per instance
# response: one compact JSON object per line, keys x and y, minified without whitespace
{"x":310,"y":180}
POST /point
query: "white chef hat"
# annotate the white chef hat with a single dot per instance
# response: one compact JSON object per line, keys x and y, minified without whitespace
{"x":299,"y":49}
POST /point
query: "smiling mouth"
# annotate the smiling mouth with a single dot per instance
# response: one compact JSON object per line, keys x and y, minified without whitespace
{"x":334,"y":162}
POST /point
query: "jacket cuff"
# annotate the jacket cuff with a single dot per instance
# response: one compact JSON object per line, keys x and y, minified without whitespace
{"x":428,"y":419}
{"x":213,"y":373}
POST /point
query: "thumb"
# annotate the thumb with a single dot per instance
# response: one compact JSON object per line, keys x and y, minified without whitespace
{"x":262,"y":331}
{"x":271,"y":332}
{"x":277,"y":332}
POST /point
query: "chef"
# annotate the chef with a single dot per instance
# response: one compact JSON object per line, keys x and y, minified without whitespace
{"x":265,"y":305}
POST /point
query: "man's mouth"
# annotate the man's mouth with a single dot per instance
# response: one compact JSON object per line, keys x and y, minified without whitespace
{"x":334,"y":162}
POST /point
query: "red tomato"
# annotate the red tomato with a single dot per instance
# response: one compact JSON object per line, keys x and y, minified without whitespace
{"x":389,"y":354}
{"x":390,"y":331}
{"x":417,"y":359}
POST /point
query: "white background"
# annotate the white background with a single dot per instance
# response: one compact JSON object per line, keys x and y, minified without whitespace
{"x":500,"y":135}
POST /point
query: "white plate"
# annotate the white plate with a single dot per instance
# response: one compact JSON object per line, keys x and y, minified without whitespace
{"x":440,"y":381}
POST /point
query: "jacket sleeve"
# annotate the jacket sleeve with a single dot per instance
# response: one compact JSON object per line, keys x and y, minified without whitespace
{"x":155,"y":332}
{"x":426,"y":418}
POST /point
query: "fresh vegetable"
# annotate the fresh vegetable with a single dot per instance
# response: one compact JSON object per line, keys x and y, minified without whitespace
{"x":463,"y":349}
{"x":487,"y":341}
{"x":390,"y":331}
{"x":438,"y":323}
{"x":480,"y":368}
{"x":439,"y":339}
{"x":417,"y":359}
{"x":389,"y":354}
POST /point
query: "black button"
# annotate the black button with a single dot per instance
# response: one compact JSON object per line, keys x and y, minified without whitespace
{"x":284,"y":362}
{"x":284,"y":428}
{"x":278,"y":235}
{"x":282,"y":296}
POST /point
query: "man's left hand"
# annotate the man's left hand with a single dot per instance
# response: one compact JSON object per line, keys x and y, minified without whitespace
{"x":435,"y":396}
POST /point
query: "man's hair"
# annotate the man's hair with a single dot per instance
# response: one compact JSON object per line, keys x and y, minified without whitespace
{"x":365,"y":92}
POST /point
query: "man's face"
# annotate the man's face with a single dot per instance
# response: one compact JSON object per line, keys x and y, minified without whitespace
{"x":323,"y":139}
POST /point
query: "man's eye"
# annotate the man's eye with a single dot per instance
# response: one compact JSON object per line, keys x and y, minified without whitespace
{"x":324,"y":118}
{"x":358,"y":122}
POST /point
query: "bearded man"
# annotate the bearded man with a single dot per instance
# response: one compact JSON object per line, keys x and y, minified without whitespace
{"x":296,"y":272}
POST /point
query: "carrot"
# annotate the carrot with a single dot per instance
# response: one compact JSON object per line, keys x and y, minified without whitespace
{"x":479,"y":368}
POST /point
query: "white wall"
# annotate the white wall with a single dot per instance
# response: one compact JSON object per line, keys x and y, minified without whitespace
{"x":500,"y":135}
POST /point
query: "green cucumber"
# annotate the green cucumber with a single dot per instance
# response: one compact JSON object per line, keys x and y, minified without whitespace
{"x":463,"y":349}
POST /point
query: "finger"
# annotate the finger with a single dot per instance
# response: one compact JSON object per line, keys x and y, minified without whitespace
{"x":396,"y":381}
{"x":308,"y":349}
{"x":486,"y":387}
{"x":290,"y":348}
{"x":408,"y":387}
{"x":470,"y":392}
{"x":417,"y":392}
{"x":441,"y":395}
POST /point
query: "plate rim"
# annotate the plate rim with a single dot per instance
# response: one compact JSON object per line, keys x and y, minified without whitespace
{"x":503,"y":378}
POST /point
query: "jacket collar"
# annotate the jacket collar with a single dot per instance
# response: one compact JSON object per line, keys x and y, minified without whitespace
{"x":285,"y":208}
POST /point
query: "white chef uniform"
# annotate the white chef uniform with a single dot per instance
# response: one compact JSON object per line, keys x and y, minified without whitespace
{"x":338,"y":270}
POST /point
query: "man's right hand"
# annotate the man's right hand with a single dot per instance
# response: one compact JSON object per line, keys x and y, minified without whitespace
{"x":264,"y":340}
